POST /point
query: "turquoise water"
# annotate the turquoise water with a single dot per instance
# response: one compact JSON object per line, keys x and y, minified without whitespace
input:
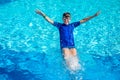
{"x":29,"y":46}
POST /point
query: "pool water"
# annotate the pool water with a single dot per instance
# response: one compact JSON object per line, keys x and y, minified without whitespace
{"x":29,"y":46}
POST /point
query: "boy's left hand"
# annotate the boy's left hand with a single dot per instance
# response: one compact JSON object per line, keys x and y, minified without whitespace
{"x":96,"y":14}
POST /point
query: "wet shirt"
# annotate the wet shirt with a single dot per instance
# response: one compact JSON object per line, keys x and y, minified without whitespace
{"x":66,"y":34}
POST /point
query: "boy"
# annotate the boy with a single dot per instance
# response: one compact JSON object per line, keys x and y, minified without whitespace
{"x":66,"y":37}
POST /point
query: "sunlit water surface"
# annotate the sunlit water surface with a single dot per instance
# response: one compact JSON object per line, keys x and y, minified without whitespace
{"x":29,"y":46}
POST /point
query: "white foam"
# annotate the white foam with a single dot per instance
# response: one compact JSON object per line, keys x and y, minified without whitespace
{"x":73,"y":63}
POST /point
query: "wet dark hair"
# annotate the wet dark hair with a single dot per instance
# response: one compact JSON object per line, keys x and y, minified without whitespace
{"x":66,"y":14}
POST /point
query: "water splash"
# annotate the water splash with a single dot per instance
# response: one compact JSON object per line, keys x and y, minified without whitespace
{"x":72,"y":63}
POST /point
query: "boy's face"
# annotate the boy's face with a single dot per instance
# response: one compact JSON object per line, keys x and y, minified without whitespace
{"x":66,"y":19}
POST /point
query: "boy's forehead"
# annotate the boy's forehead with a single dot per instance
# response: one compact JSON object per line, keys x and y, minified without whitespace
{"x":67,"y":15}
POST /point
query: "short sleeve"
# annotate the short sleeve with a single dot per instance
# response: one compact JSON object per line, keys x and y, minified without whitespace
{"x":57,"y":24}
{"x":75,"y":24}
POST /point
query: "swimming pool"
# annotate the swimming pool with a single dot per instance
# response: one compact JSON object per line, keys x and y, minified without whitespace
{"x":29,"y":46}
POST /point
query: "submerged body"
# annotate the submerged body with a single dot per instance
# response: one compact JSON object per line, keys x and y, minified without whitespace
{"x":67,"y":42}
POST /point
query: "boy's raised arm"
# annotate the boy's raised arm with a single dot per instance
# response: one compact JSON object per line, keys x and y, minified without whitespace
{"x":90,"y":17}
{"x":44,"y":16}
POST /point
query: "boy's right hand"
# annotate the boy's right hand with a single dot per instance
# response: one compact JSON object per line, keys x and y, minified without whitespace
{"x":38,"y":12}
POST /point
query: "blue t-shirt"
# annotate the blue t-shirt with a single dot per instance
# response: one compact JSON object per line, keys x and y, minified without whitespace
{"x":66,"y":34}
